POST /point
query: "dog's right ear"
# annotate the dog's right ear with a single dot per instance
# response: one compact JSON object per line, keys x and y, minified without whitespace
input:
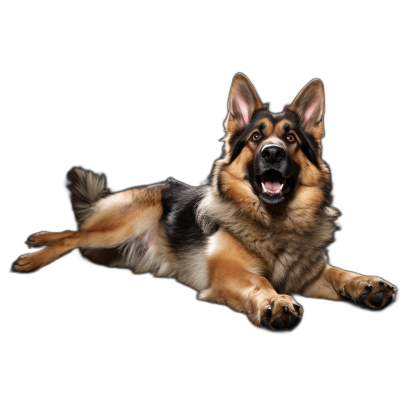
{"x":242,"y":103}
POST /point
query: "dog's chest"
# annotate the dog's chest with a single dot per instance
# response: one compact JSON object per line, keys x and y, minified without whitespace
{"x":291,"y":256}
{"x":278,"y":246}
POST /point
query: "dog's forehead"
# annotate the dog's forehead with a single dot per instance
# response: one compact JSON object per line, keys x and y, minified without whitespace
{"x":273,"y":120}
{"x":272,"y":124}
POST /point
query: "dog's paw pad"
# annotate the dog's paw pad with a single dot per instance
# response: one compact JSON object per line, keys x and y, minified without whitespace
{"x":279,"y":324}
{"x":363,"y":298}
{"x":293,"y":321}
{"x":376,"y":299}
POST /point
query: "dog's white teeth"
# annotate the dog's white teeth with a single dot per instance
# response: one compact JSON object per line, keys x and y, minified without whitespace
{"x":280,"y":189}
{"x":263,"y":187}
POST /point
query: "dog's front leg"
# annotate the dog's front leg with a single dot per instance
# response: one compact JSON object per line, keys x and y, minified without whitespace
{"x":337,"y":284}
{"x":233,"y":280}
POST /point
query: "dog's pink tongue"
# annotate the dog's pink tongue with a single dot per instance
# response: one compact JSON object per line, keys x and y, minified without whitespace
{"x":272,"y":186}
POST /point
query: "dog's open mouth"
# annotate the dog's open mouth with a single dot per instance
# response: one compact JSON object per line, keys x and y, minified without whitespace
{"x":273,"y":186}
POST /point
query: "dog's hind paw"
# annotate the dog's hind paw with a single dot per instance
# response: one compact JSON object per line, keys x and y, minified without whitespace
{"x":26,"y":263}
{"x":38,"y":239}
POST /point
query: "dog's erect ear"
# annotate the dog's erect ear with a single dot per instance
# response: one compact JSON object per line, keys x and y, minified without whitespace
{"x":243,"y":101}
{"x":310,"y":106}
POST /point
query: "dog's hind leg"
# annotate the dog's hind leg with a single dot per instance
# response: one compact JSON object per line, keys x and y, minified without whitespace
{"x":44,"y":238}
{"x":84,"y":239}
{"x":112,"y":222}
{"x":34,"y":261}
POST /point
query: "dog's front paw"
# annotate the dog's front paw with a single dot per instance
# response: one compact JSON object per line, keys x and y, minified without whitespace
{"x":371,"y":291}
{"x":282,"y":313}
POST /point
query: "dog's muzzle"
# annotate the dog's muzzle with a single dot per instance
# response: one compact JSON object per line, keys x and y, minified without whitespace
{"x":274,"y":179}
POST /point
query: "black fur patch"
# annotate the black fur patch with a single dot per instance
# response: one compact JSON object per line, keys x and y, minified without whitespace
{"x":180,"y":203}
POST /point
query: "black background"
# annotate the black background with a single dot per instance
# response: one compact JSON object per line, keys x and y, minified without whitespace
{"x":143,"y":113}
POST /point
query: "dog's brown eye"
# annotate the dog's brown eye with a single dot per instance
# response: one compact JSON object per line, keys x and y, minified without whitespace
{"x":256,"y":136}
{"x":290,"y":138}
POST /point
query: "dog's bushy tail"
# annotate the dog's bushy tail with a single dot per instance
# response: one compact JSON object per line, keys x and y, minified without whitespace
{"x":86,"y":189}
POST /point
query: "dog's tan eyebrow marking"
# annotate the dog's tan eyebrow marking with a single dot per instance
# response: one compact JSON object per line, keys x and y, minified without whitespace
{"x":283,"y":127}
{"x":283,"y":124}
{"x":265,"y":126}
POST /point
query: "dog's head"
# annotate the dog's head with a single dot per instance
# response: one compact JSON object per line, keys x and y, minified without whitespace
{"x":274,"y":155}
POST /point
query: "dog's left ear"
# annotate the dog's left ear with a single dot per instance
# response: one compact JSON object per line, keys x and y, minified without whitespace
{"x":309,"y":105}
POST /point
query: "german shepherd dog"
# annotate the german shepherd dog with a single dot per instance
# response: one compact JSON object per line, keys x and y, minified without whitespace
{"x":257,"y":231}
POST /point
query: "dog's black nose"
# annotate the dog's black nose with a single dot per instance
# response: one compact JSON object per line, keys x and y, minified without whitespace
{"x":273,"y":154}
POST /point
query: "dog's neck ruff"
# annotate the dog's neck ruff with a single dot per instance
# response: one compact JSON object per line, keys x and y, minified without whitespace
{"x":213,"y":209}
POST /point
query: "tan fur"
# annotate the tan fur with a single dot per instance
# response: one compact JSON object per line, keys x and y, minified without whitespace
{"x":233,"y":183}
{"x":235,"y":280}
{"x":290,"y":261}
{"x":250,"y":255}
{"x":112,"y":221}
{"x":46,"y":238}
{"x":303,"y":220}
{"x":337,"y":284}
